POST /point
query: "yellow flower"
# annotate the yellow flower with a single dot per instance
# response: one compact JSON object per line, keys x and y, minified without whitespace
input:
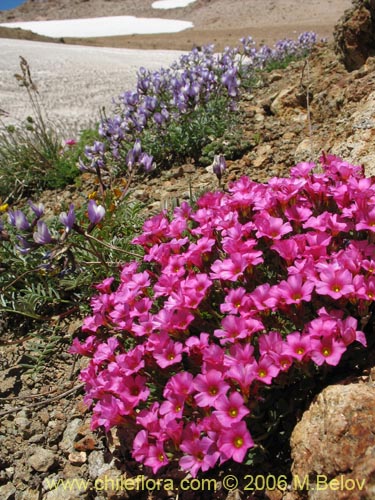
{"x":4,"y":207}
{"x":92,"y":196}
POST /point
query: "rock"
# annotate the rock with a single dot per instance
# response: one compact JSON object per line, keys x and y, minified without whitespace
{"x":42,"y":460}
{"x":287,"y":98}
{"x":355,"y":34}
{"x":61,"y":493}
{"x":304,"y":151}
{"x":70,"y":434}
{"x":37,"y":438}
{"x":77,"y":458}
{"x":358,"y":146}
{"x":9,"y":471}
{"x":113,"y":484}
{"x":29,"y":494}
{"x":98,"y":464}
{"x":263,"y":152}
{"x":334,"y":441}
{"x":23,"y":425}
{"x":7,"y":491}
{"x":88,"y":443}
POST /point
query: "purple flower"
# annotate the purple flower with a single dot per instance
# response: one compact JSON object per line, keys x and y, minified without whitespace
{"x":147,"y":162}
{"x":95,"y":212}
{"x":37,"y":209}
{"x":25,"y":246}
{"x":18,"y":219}
{"x":219,"y":165}
{"x":42,"y":236}
{"x":68,"y":219}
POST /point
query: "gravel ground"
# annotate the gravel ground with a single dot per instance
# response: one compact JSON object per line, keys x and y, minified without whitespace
{"x":74,"y":82}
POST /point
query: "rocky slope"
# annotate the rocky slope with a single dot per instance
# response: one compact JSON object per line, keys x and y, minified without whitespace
{"x":292,"y":116}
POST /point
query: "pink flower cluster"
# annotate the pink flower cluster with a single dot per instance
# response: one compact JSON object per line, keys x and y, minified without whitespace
{"x":228,"y":296}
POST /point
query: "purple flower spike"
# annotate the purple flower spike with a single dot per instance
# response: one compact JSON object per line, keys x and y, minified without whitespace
{"x":95,"y":212}
{"x":147,"y":162}
{"x":25,"y":246}
{"x":68,"y":219}
{"x":42,"y":236}
{"x":18,"y":219}
{"x":219,"y":165}
{"x":37,"y":209}
{"x":137,"y":148}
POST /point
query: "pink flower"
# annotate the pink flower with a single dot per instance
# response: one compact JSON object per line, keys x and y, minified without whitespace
{"x":201,"y":454}
{"x":327,"y":350}
{"x":366,"y":220}
{"x":234,"y":442}
{"x":86,"y":348}
{"x":209,"y":386}
{"x":229,"y":410}
{"x":243,"y":374}
{"x":287,"y":249}
{"x":108,"y":412}
{"x":298,"y":346}
{"x":168,"y":354}
{"x":140,"y":446}
{"x":235,"y":328}
{"x":293,"y":290}
{"x":70,"y":142}
{"x":156,"y":457}
{"x":234,"y":301}
{"x":229,"y":269}
{"x":335,"y":282}
{"x":172,"y":408}
{"x":213,"y":358}
{"x":180,"y":384}
{"x":239,"y":354}
{"x":261,"y":297}
{"x":271,"y":227}
{"x":105,"y":352}
{"x":132,"y":361}
{"x":265,"y":369}
{"x":134,"y":390}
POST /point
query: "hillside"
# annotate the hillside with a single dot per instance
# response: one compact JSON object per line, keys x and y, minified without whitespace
{"x":215,"y":21}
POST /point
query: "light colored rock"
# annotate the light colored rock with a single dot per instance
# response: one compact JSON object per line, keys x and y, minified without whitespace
{"x":29,"y":494}
{"x":61,"y":493}
{"x":97,"y":464}
{"x":70,"y":434}
{"x":359,"y":146}
{"x":42,"y":460}
{"x":77,"y":458}
{"x":334,"y":436}
{"x":304,"y":151}
{"x":285,"y":99}
{"x":262,"y":153}
{"x":7,"y":491}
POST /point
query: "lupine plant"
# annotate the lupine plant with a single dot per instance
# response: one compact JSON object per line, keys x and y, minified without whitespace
{"x":173,"y":112}
{"x":232,"y":299}
{"x":49,"y":262}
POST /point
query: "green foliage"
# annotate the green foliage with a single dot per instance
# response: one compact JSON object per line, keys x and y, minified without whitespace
{"x":232,"y":145}
{"x":55,"y":281}
{"x":191,"y":133}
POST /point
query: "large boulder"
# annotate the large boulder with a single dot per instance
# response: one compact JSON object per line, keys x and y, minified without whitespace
{"x":333,"y":445}
{"x":355,"y":34}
